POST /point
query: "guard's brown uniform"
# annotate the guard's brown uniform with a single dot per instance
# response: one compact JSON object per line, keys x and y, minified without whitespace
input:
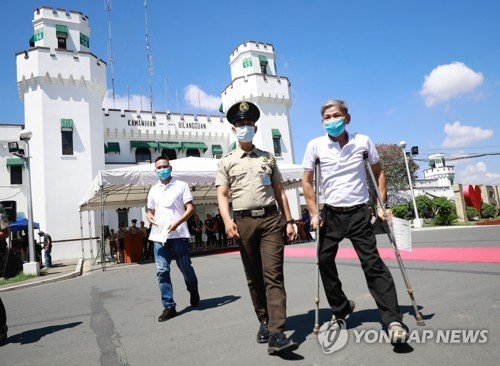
{"x":250,"y":176}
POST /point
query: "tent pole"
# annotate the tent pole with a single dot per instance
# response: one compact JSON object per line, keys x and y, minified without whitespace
{"x":90,"y":239}
{"x":103,"y":246}
{"x":81,"y":235}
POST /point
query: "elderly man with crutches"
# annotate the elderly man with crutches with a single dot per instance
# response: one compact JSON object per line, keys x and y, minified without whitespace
{"x":346,"y":214}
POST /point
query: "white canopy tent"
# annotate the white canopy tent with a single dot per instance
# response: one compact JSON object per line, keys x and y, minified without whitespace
{"x":129,"y":187}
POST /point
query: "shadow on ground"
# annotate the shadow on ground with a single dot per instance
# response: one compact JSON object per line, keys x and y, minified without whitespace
{"x":34,"y":335}
{"x":214,"y":302}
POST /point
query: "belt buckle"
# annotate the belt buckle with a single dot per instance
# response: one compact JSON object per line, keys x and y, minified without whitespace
{"x":258,"y":213}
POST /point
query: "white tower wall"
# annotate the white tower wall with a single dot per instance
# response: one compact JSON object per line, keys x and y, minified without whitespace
{"x":58,"y":84}
{"x":271,"y":93}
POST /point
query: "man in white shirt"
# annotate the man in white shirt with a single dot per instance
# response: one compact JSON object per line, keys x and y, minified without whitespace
{"x":170,"y":203}
{"x":347,"y":215}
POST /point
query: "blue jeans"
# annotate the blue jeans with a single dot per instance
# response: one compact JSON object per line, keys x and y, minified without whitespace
{"x":177,"y":249}
{"x":48,"y":260}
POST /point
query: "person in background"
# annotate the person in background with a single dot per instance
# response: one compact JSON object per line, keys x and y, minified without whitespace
{"x":4,"y":234}
{"x":210,"y":232}
{"x":47,"y":247}
{"x":306,"y":222}
{"x":144,"y":231}
{"x":197,"y":228}
{"x":133,"y":229}
{"x":122,"y":232}
{"x":113,"y":238}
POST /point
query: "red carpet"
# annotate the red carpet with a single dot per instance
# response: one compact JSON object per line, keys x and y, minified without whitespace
{"x":434,"y":254}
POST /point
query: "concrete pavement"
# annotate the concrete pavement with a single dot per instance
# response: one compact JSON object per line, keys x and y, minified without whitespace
{"x":109,"y":318}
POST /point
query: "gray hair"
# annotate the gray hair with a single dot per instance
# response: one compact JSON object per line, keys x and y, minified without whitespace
{"x":334,"y":103}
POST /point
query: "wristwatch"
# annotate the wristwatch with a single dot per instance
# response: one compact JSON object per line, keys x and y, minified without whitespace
{"x":290,"y":221}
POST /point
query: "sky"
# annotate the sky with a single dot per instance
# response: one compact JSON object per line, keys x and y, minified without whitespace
{"x":426,"y":72}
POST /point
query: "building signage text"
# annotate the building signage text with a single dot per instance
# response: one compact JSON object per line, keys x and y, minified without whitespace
{"x":140,"y":122}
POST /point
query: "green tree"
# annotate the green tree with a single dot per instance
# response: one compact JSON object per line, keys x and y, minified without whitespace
{"x":393,"y":164}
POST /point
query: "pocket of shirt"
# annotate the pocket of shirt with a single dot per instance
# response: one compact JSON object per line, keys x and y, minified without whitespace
{"x":237,"y":175}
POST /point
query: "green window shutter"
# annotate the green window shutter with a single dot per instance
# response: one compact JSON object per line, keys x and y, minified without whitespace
{"x":15,"y":162}
{"x":114,"y":147}
{"x":84,"y":40}
{"x":216,"y":149}
{"x":105,"y":149}
{"x":276,"y":133}
{"x":169,"y":145}
{"x":61,"y":31}
{"x":194,"y":145}
{"x":221,"y":108}
{"x":263,"y":60}
{"x":144,"y":144}
{"x":32,"y":41}
{"x":247,"y":62}
{"x":232,"y":146}
{"x":66,"y":124}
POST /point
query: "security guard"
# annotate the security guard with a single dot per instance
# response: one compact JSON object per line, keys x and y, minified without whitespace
{"x":252,"y":179}
{"x":4,"y":234}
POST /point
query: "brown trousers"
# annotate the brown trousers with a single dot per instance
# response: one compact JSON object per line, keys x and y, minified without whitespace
{"x":261,"y":248}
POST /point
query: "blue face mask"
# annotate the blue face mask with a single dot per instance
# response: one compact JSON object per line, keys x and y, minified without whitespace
{"x":245,"y":133}
{"x":335,"y":126}
{"x":164,"y":173}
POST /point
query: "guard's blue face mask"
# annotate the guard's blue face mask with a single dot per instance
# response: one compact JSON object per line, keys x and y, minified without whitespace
{"x":245,"y":133}
{"x":164,"y":173}
{"x":335,"y":126}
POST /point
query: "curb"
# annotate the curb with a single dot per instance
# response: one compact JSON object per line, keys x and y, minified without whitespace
{"x":76,"y":273}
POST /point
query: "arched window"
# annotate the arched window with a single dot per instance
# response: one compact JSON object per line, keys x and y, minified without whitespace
{"x":193,"y":152}
{"x":171,"y":154}
{"x":142,"y":155}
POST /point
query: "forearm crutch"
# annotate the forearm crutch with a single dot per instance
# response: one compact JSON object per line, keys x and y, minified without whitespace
{"x":316,"y":299}
{"x":387,"y":224}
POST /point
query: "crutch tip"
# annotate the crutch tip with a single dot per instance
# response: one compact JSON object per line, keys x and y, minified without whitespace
{"x":420,"y":322}
{"x":316,"y":329}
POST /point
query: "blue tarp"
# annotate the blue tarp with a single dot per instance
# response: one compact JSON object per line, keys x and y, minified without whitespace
{"x":22,"y":224}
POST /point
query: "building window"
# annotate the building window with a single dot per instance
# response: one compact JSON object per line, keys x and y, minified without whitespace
{"x":67,"y":142}
{"x":193,"y":152}
{"x":277,"y":146}
{"x":122,"y":216}
{"x":142,"y":155}
{"x":16,"y":175}
{"x":61,"y":43}
{"x":276,"y":141}
{"x":171,"y":154}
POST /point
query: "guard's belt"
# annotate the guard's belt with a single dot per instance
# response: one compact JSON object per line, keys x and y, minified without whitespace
{"x":344,"y":209}
{"x":256,"y":212}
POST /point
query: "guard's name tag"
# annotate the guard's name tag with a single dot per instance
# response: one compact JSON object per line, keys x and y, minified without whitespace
{"x":265,"y":179}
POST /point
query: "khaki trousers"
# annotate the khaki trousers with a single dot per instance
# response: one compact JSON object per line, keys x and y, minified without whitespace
{"x":261,"y":248}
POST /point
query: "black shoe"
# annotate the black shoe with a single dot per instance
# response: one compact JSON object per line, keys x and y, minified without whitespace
{"x":168,"y":313}
{"x":278,"y":343}
{"x":263,"y":333}
{"x":195,"y":298}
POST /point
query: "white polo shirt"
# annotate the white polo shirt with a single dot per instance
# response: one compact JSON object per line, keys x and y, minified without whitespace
{"x":170,"y":199}
{"x":343,"y":173}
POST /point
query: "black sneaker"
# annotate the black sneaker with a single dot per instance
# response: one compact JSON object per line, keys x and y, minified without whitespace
{"x":168,"y":313}
{"x":195,"y":298}
{"x":278,"y":344}
{"x":263,"y":334}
